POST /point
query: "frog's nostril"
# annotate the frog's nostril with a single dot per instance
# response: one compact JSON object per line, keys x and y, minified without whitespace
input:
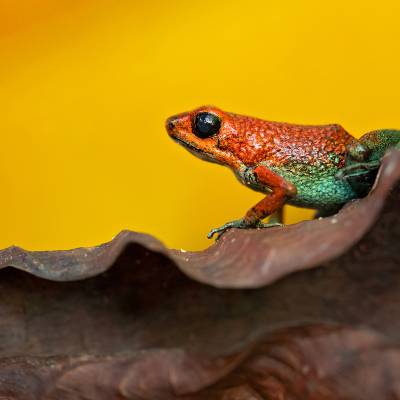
{"x":171,"y":123}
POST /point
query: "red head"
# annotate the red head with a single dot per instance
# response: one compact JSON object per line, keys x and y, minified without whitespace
{"x":218,"y":136}
{"x":201,"y":131}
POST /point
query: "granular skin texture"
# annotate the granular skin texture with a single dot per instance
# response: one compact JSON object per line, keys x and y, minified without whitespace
{"x":254,"y":140}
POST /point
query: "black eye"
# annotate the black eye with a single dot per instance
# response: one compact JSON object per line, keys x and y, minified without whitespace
{"x":206,"y":125}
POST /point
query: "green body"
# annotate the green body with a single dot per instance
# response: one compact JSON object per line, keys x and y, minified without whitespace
{"x":317,"y":187}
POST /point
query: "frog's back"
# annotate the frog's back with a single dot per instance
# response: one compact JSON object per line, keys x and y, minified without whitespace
{"x":309,"y":145}
{"x":280,"y":143}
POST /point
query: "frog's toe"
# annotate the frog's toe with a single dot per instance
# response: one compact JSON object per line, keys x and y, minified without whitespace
{"x":240,"y":224}
{"x":261,"y":225}
{"x":221,"y":230}
{"x":350,"y":172}
{"x":358,"y":169}
{"x":217,"y":231}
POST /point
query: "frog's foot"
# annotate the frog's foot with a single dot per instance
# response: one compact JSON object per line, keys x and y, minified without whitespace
{"x":240,"y":224}
{"x":358,"y":169}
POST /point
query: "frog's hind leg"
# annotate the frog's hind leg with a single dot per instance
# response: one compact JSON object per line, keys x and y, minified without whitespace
{"x":366,"y":154}
{"x":378,"y":142}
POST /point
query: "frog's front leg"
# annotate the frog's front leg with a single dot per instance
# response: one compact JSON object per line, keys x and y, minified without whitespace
{"x":280,"y":189}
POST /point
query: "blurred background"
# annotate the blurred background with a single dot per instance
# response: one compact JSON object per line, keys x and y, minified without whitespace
{"x":85,"y":87}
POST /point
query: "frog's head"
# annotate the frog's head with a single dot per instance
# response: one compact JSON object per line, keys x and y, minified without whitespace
{"x":203,"y":132}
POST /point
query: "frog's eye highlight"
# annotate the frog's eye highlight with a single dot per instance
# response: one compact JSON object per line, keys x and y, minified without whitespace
{"x":206,"y":124}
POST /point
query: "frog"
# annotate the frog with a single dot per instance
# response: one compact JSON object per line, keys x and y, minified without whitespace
{"x":321,"y":167}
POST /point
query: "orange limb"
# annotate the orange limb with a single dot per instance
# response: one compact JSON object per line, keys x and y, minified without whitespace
{"x":281,"y":190}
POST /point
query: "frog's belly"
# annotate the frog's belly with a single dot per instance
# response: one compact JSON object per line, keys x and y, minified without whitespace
{"x":321,"y":191}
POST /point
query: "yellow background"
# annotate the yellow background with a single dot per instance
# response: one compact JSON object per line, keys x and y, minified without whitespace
{"x":85,"y":87}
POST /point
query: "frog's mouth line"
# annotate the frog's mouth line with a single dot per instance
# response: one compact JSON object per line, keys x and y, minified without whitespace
{"x":196,"y":151}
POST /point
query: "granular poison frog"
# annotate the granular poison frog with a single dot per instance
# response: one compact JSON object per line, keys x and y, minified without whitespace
{"x":321,"y":167}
